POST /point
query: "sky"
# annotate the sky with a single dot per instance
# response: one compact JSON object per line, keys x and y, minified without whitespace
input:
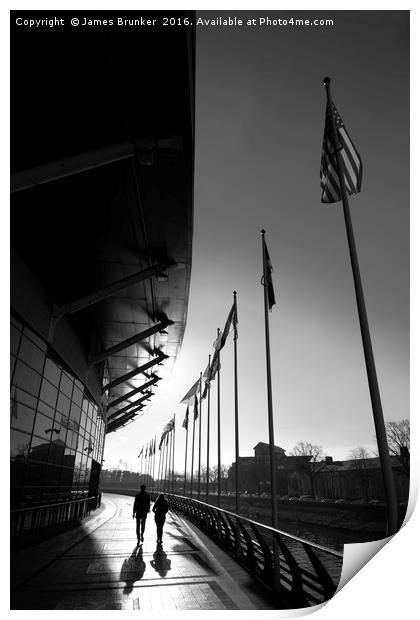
{"x":260,"y":111}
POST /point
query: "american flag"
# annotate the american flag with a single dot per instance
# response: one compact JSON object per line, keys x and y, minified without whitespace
{"x":352,"y":163}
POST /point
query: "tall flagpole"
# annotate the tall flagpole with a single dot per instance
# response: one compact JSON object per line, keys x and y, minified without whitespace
{"x":218,"y":431}
{"x":141,"y":465}
{"x":235,"y":365}
{"x":173,"y":456}
{"x":158,"y":472}
{"x":273,"y":480}
{"x":378,"y":418}
{"x":167,"y":463}
{"x":154,"y":459}
{"x":186,"y":451}
{"x":192,"y":454}
{"x":208,"y":439}
{"x":199,"y":444}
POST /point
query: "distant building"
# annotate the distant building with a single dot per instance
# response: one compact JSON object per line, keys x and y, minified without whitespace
{"x":352,"y":479}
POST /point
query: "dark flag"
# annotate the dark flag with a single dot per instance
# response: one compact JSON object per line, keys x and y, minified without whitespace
{"x":185,"y":422}
{"x":352,"y":163}
{"x":231,"y":321}
{"x":269,"y":282}
{"x":195,"y":408}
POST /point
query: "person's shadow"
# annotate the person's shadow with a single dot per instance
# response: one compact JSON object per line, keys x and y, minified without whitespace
{"x":160,"y":561}
{"x":132,"y":569}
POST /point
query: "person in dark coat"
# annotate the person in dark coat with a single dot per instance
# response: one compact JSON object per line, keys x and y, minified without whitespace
{"x":160,"y":509}
{"x":141,"y":508}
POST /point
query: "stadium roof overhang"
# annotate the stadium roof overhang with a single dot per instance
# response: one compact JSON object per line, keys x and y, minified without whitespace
{"x":102,"y":197}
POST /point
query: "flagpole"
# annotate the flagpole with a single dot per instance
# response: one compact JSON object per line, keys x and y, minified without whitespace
{"x":158,"y":471}
{"x":235,"y":365}
{"x":218,"y":432}
{"x":208,"y":438}
{"x":141,"y":465}
{"x":154,"y":462}
{"x":167,"y":454}
{"x":378,"y":418}
{"x":186,"y":451}
{"x":273,"y":480}
{"x":192,"y":456}
{"x":199,"y":444}
{"x":173,"y":456}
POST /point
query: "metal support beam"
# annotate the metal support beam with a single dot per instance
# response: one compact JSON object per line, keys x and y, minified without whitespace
{"x":83,"y":162}
{"x":129,"y":375}
{"x":154,"y":271}
{"x":121,"y":399}
{"x":127,"y":407}
{"x":121,"y":421}
{"x":100,"y":357}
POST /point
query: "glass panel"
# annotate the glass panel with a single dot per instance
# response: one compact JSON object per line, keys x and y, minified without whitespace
{"x":45,"y":409}
{"x":48,"y":393}
{"x":66,"y":385}
{"x":75,"y":412}
{"x":88,"y":425}
{"x":26,"y":378}
{"x":19,"y":445}
{"x":39,"y":449}
{"x":63,"y":404}
{"x":23,"y":397}
{"x":52,"y":371}
{"x":44,"y":427}
{"x":83,"y":419}
{"x":14,"y":339}
{"x":77,"y":396}
{"x":40,"y":343}
{"x":22,"y":417}
{"x":12,"y":366}
{"x":31,"y":354}
{"x":56,"y":452}
{"x":35,"y":477}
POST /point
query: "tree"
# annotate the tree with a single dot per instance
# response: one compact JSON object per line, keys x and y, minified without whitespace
{"x":361,"y":463}
{"x":398,"y":435}
{"x":311,"y":462}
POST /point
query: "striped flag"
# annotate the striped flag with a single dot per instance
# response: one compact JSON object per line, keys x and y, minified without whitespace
{"x":352,"y":163}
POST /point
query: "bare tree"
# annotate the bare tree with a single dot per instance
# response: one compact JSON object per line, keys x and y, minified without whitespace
{"x":312,"y":465}
{"x":398,"y":435}
{"x":361,"y":463}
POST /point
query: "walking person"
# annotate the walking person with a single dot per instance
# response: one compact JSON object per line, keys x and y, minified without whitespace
{"x":160,"y":509}
{"x":141,"y":508}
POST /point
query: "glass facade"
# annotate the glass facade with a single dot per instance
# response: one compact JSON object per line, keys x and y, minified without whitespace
{"x":57,"y":429}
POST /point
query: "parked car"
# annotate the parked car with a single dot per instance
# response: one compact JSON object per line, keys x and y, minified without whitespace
{"x":306,"y":498}
{"x":327,"y":500}
{"x":340,"y":501}
{"x":293,"y":499}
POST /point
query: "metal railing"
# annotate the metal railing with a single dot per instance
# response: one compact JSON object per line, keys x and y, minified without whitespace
{"x":36,"y":518}
{"x":300,"y":572}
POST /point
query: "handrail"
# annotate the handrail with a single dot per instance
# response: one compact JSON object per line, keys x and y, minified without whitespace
{"x":267,"y":527}
{"x":72,"y":501}
{"x":30,"y":519}
{"x":298,"y":571}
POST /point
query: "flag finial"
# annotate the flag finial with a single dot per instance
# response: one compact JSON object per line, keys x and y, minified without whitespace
{"x":262,"y":231}
{"x":327,"y":80}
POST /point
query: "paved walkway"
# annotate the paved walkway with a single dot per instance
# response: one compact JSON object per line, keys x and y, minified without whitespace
{"x":100,"y":566}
